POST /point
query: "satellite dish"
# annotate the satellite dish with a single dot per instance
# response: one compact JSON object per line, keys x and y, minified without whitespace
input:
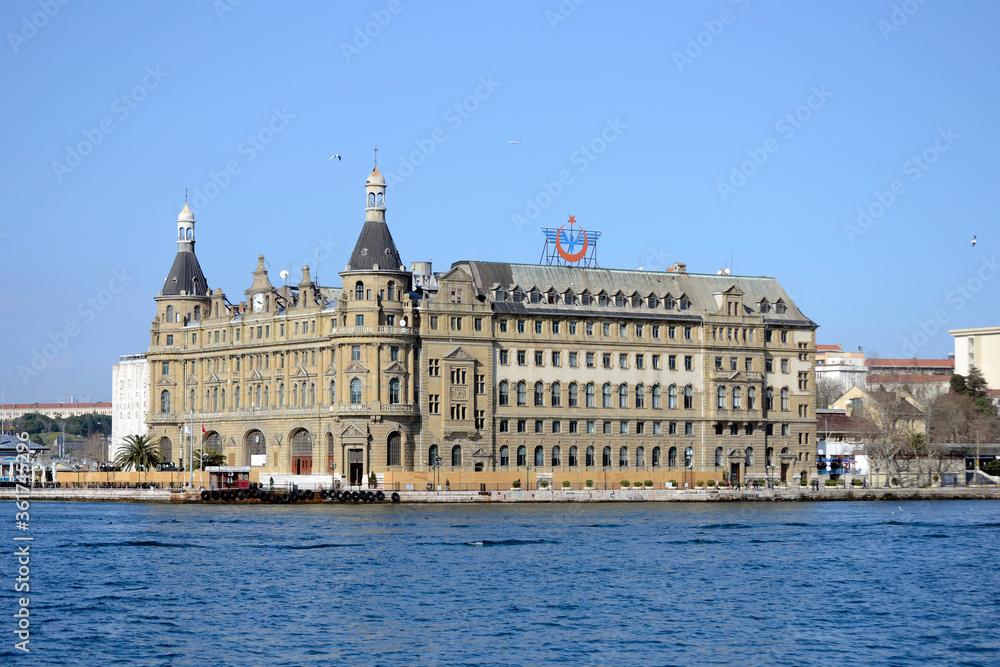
{"x":402,"y":322}
{"x":284,"y":274}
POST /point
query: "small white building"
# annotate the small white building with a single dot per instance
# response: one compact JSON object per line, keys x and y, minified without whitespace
{"x":130,"y":399}
{"x":980,"y":348}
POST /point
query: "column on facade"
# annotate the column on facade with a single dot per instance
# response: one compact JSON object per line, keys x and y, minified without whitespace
{"x":411,"y":373}
{"x":378,"y":373}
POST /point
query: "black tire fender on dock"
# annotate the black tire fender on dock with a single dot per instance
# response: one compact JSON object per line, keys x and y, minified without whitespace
{"x":324,"y":494}
{"x":206,"y":495}
{"x":310,"y":495}
{"x":371,"y":497}
{"x":395,"y":496}
{"x":286,"y":497}
{"x":216,"y":495}
{"x":380,"y":496}
{"x":355,"y":496}
{"x":337,"y":495}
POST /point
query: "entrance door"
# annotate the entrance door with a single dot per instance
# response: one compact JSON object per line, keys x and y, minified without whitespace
{"x":302,"y":465}
{"x":734,"y":472}
{"x":784,"y":473}
{"x":356,"y":467}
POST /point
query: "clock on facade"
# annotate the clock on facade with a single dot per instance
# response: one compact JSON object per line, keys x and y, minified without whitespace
{"x":258,"y":302}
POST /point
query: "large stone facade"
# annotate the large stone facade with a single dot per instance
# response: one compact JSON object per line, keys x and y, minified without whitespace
{"x":501,"y":367}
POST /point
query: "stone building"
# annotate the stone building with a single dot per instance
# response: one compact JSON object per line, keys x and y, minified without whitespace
{"x":486,"y":367}
{"x":129,"y":400}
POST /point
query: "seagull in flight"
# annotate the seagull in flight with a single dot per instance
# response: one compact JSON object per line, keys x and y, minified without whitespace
{"x":973,"y":241}
{"x":514,"y":142}
{"x":335,"y":156}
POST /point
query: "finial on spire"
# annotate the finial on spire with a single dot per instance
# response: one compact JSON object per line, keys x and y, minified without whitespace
{"x":185,"y":194}
{"x":376,"y":155}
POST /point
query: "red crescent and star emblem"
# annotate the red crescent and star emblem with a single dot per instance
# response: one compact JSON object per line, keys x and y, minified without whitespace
{"x":572,"y":240}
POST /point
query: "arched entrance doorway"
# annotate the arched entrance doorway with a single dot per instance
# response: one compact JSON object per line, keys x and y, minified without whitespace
{"x":255,"y":448}
{"x":166,"y":449}
{"x":302,"y":458}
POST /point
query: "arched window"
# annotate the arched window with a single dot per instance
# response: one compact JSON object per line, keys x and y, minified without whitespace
{"x":394,"y":391}
{"x":656,"y":457}
{"x":260,"y":404}
{"x":769,"y":399}
{"x":556,"y":456}
{"x":623,"y":457}
{"x":190,"y":233}
{"x":539,"y":394}
{"x":640,"y":457}
{"x":333,"y":392}
{"x":164,"y":401}
{"x":222,"y":400}
{"x":504,"y":393}
{"x":394,"y":449}
{"x":749,"y":457}
{"x":591,"y":397}
{"x":371,"y":200}
{"x":254,"y":445}
{"x":191,"y":399}
{"x":556,"y":394}
{"x":522,"y":393}
{"x":170,"y":313}
{"x":606,"y":457}
{"x":722,"y":398}
{"x":197,"y":313}
{"x":688,"y":397}
{"x":688,"y":457}
{"x":768,"y":457}
{"x":606,"y":400}
{"x":359,"y":291}
{"x":640,"y":396}
{"x":215,"y":399}
{"x":390,"y":291}
{"x":356,"y":391}
{"x":504,"y":456}
{"x":590,"y":457}
{"x":784,"y":399}
{"x":281,"y":395}
{"x":539,"y":456}
{"x":312,"y":393}
{"x":657,"y":404}
{"x":432,"y":455}
{"x":522,"y":456}
{"x":456,"y":456}
{"x":751,"y":398}
{"x":737,"y":398}
{"x":672,"y":457}
{"x":718,"y":457}
{"x":574,"y":460}
{"x":573,"y":395}
{"x":236,"y":396}
{"x":623,"y":395}
{"x":295,"y":395}
{"x":672,"y":396}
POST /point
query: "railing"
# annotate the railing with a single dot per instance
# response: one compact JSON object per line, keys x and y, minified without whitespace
{"x":397,"y":407}
{"x":355,"y":408}
{"x":347,"y":331}
{"x":752,"y":376}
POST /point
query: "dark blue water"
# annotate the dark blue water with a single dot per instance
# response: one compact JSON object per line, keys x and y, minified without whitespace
{"x":644,"y":584}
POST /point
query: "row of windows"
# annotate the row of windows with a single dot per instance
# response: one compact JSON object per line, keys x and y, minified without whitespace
{"x":590,"y":395}
{"x":590,"y":460}
{"x":390,"y":293}
{"x":590,"y":360}
{"x":591,"y":427}
{"x":572,"y":327}
{"x":618,"y":300}
{"x":259,"y":396}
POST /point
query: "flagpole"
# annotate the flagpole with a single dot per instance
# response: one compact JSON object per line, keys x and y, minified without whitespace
{"x":191,"y":445}
{"x":201,"y":476}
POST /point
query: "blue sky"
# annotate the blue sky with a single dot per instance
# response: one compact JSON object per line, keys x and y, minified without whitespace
{"x":694,"y":132}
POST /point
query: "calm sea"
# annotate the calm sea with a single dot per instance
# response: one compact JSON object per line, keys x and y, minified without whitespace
{"x":641,"y":584}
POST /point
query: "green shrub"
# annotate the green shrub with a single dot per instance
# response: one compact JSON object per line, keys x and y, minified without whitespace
{"x":565,"y":484}
{"x":516,"y":484}
{"x":803,"y":482}
{"x":699,"y":483}
{"x":711,"y":482}
{"x":895,"y":481}
{"x":673,"y":482}
{"x":936,"y":478}
{"x":589,"y":483}
{"x":831,"y":482}
{"x":543,"y":483}
{"x":624,"y":482}
{"x":856,"y":482}
{"x":637,"y":484}
{"x":648,"y":482}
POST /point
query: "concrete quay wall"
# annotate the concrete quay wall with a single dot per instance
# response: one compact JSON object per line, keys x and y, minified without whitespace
{"x":555,"y":496}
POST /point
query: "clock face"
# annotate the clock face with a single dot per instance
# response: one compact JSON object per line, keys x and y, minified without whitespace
{"x":258,"y":303}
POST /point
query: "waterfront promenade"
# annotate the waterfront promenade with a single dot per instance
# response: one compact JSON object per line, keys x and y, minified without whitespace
{"x":550,"y":496}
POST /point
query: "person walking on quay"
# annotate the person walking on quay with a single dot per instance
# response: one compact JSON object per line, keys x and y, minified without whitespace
{"x":271,"y":482}
{"x":447,"y":485}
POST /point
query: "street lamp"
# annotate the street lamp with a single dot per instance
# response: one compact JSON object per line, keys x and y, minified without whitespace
{"x":333,"y":478}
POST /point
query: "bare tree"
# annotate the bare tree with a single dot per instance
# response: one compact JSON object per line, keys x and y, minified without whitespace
{"x":94,"y":448}
{"x":881,"y":417}
{"x":827,"y":391}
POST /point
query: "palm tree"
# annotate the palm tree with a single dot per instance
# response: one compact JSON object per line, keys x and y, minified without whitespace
{"x":139,"y":454}
{"x":211,"y":457}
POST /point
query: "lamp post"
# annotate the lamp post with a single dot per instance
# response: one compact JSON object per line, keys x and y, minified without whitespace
{"x":605,"y":478}
{"x":333,"y":477}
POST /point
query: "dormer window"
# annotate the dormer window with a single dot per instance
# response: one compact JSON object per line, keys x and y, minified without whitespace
{"x":636,"y":300}
{"x":779,"y":307}
{"x":501,"y":295}
{"x":669,"y":303}
{"x":685,"y":302}
{"x":518,"y":296}
{"x":764,"y":306}
{"x":619,"y":301}
{"x":534,"y":296}
{"x":568,"y":298}
{"x":651,"y":302}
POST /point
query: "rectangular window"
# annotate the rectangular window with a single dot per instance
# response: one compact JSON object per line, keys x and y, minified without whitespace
{"x":656,"y":428}
{"x":672,"y":362}
{"x":522,"y":426}
{"x":623,"y":428}
{"x":590,"y":328}
{"x":556,"y":359}
{"x":769,"y":365}
{"x":769,"y":429}
{"x":504,"y":357}
{"x":784,"y":365}
{"x":672,"y":428}
{"x":538,"y":326}
{"x":687,"y":333}
{"x":456,"y":295}
{"x":539,"y":426}
{"x":503,"y":326}
{"x":622,"y":361}
{"x":591,"y":427}
{"x":434,"y":322}
{"x":784,"y":336}
{"x":296,"y":328}
{"x":573,"y":360}
{"x":640,"y":361}
{"x":355,"y":353}
{"x":390,"y":320}
{"x":521,"y":358}
{"x":606,"y":329}
{"x":539,"y":358}
{"x":622,"y":331}
{"x":504,"y":426}
{"x":657,"y":364}
{"x":671,"y":332}
{"x":656,"y":331}
{"x":456,"y":324}
{"x":393,"y":353}
{"x":434,"y":367}
{"x":732,"y":363}
{"x":718,"y":363}
{"x":590,"y":360}
{"x":480,"y":419}
{"x":638,"y":331}
{"x":557,"y":426}
{"x":480,"y":384}
{"x":555,"y":327}
{"x":784,"y":429}
{"x":572,"y":328}
{"x":607,"y":360}
{"x":607,"y":428}
{"x":434,"y":404}
{"x":748,"y":364}
{"x":688,"y":428}
{"x":478,"y":323}
{"x":520,"y":326}
{"x":170,"y":339}
{"x":640,"y":428}
{"x":688,"y":363}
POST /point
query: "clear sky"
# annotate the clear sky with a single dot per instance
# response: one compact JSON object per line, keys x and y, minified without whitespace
{"x":702,"y":132}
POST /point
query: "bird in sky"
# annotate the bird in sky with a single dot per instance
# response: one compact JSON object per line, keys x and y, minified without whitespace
{"x":514,"y":142}
{"x":973,"y":241}
{"x":335,"y":156}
